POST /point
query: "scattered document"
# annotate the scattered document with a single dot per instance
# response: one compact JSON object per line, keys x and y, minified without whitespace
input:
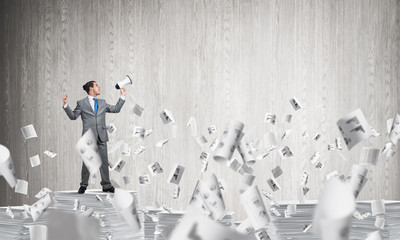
{"x":354,"y":128}
{"x":29,"y":132}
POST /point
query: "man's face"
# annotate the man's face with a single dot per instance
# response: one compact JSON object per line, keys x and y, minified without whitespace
{"x":96,"y":89}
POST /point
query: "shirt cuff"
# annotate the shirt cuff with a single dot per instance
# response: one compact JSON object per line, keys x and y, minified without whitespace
{"x":122,"y":97}
{"x":66,"y":105}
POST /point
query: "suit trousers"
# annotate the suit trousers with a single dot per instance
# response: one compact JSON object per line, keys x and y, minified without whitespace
{"x":104,"y":172}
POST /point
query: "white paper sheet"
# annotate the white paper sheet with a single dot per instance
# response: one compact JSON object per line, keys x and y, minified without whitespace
{"x":254,"y":206}
{"x":354,"y":128}
{"x":7,"y":166}
{"x":228,"y":142}
{"x":29,"y":132}
{"x":87,"y":149}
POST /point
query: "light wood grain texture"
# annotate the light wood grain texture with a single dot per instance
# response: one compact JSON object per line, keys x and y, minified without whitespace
{"x":214,"y":60}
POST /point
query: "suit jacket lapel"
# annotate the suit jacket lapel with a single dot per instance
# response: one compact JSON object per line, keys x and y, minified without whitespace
{"x":88,"y":105}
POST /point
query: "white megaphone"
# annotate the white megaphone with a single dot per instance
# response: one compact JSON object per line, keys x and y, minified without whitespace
{"x":124,"y":82}
{"x":7,"y":166}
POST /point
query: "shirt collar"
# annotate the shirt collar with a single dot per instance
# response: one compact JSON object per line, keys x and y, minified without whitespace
{"x":90,"y":98}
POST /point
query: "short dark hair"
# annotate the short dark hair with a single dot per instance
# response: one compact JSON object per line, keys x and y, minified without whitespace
{"x":88,"y":85}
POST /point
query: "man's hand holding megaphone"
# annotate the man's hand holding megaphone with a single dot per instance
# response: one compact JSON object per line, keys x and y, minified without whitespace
{"x":123,"y":91}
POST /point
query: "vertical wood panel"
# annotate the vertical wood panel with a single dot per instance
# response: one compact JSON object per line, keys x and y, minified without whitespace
{"x":214,"y":60}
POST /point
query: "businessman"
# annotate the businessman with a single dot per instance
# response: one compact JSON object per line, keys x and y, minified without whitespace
{"x":93,"y":113}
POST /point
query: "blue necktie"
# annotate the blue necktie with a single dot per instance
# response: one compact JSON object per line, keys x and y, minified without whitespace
{"x":95,"y":105}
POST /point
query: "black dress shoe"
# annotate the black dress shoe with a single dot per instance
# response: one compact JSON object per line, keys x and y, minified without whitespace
{"x":110,"y":189}
{"x":82,"y":190}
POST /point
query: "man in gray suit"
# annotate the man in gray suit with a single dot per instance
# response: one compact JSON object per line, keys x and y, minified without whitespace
{"x":93,"y":113}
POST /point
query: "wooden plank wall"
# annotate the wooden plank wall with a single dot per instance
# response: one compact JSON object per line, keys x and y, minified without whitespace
{"x":214,"y":60}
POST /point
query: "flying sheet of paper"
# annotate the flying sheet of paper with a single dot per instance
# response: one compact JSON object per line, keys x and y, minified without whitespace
{"x":138,"y":110}
{"x":228,"y":142}
{"x":212,"y":196}
{"x":201,"y":140}
{"x":51,"y":154}
{"x":285,"y":152}
{"x":315,"y":157}
{"x":333,"y":214}
{"x":214,"y":144}
{"x":140,"y":150}
{"x":234,"y":165}
{"x":127,"y":179}
{"x":177,"y":191}
{"x":194,"y":225}
{"x":270,"y":118}
{"x":155,"y":169}
{"x":212,"y":129}
{"x":111,"y":128}
{"x":35,"y":161}
{"x":125,"y":206}
{"x":36,"y":209}
{"x":273,"y":184}
{"x":270,"y":139}
{"x":162,"y":142}
{"x":248,"y":179}
{"x":319,"y":165}
{"x":331,"y":147}
{"x":245,"y":169}
{"x":118,"y":165}
{"x":204,"y":161}
{"x":87,"y":149}
{"x":354,"y":128}
{"x":395,"y":129}
{"x":304,"y":179}
{"x":7,"y":166}
{"x":166,"y":117}
{"x":369,"y":156}
{"x":43,"y":193}
{"x":139,"y":132}
{"x":29,"y":132}
{"x":374,"y":133}
{"x":288,"y":118}
{"x":125,"y":150}
{"x":246,"y":154}
{"x":317,"y":137}
{"x":358,"y":179}
{"x":144,"y":179}
{"x":295,"y":104}
{"x":21,"y":187}
{"x":254,"y":206}
{"x":176,"y":174}
{"x":193,"y":126}
{"x":277,"y":171}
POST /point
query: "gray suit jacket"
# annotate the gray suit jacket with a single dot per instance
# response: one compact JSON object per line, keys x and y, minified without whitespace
{"x":97,"y":122}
